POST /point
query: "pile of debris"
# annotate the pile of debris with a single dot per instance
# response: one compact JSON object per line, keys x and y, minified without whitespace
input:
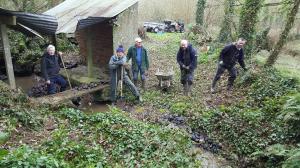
{"x":199,"y":34}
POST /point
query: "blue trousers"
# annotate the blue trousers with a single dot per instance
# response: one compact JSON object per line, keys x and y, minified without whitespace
{"x":137,"y":72}
{"x":57,"y":80}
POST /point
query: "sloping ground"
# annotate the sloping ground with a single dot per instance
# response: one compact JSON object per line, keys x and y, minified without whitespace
{"x":163,"y":50}
{"x":235,"y":123}
{"x":230,"y":124}
{"x":32,"y":136}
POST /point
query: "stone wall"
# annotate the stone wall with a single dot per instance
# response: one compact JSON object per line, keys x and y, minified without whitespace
{"x":126,"y":27}
{"x":107,"y":36}
{"x":101,"y":41}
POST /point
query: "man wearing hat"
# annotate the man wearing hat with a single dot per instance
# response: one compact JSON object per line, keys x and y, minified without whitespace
{"x":140,"y":61}
{"x":116,"y":63}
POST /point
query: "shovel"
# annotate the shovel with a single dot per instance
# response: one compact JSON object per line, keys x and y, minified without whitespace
{"x":121,"y":83}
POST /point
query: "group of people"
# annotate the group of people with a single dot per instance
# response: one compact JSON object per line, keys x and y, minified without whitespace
{"x":118,"y":65}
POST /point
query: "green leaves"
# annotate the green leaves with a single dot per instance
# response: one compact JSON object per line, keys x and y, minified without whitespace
{"x":3,"y":137}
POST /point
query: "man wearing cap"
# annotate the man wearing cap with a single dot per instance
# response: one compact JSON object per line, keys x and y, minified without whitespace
{"x":187,"y":60}
{"x":140,"y":61}
{"x":116,"y":63}
{"x":228,"y":57}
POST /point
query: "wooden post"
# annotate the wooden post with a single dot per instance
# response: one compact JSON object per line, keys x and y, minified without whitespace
{"x":90,"y":54}
{"x":7,"y":56}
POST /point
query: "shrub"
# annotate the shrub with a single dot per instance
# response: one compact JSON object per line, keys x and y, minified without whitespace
{"x":291,"y":115}
{"x":27,"y":157}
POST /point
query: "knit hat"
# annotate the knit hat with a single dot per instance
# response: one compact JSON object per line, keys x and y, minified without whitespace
{"x":120,"y":49}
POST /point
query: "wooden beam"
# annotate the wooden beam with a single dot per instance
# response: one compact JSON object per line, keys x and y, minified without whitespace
{"x":7,"y":56}
{"x":66,"y":95}
{"x":8,"y":20}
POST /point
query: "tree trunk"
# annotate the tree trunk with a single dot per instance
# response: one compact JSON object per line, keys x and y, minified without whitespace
{"x":225,"y":32}
{"x":200,"y":12}
{"x":284,"y":35}
{"x":248,"y":21}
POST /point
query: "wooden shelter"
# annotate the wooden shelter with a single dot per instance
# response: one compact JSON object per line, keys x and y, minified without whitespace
{"x":27,"y":23}
{"x":99,"y":27}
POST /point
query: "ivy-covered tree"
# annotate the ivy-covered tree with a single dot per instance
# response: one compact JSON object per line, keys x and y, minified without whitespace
{"x":225,"y":32}
{"x":291,"y":16}
{"x":248,"y":21}
{"x":200,"y":12}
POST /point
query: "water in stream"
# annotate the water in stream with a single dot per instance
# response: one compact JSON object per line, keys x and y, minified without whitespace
{"x":95,"y":107}
{"x":25,"y":83}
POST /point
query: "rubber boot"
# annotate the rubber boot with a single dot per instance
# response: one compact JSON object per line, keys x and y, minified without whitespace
{"x":135,"y":82}
{"x":213,"y":87}
{"x":143,"y":84}
{"x":185,"y":89}
{"x":230,"y":85}
{"x":139,"y":99}
{"x":189,"y":89}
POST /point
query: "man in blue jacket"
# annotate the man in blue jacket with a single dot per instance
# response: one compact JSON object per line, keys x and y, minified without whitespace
{"x":187,"y":60}
{"x":229,"y":56}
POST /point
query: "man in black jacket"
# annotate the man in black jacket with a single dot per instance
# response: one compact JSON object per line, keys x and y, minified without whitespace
{"x":50,"y":70}
{"x":228,"y":57}
{"x":187,"y":60}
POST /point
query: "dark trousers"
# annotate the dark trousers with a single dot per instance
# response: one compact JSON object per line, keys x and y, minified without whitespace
{"x":187,"y":76}
{"x":221,"y":69}
{"x":57,"y":80}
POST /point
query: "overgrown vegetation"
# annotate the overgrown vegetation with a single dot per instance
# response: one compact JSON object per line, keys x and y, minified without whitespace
{"x":251,"y":123}
{"x":248,"y":21}
{"x":101,"y":140}
{"x":225,"y":34}
{"x":200,"y":12}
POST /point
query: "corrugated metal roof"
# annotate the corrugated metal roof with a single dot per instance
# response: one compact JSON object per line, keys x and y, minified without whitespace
{"x":86,"y":12}
{"x":41,"y":23}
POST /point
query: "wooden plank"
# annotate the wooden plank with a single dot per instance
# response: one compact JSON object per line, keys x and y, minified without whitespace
{"x":68,"y":94}
{"x":8,"y":20}
{"x":7,"y":56}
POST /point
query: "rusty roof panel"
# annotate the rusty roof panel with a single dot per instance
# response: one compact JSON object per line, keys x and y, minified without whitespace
{"x":41,"y":23}
{"x":87,"y":12}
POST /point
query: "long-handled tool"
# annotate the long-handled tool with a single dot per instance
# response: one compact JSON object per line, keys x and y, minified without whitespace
{"x":122,"y":71}
{"x":63,"y":63}
{"x":75,"y":101}
{"x":121,"y":83}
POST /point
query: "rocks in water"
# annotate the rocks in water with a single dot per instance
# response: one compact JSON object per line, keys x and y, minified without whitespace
{"x":177,"y":120}
{"x":206,"y":143}
{"x":87,"y":86}
{"x":39,"y":89}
